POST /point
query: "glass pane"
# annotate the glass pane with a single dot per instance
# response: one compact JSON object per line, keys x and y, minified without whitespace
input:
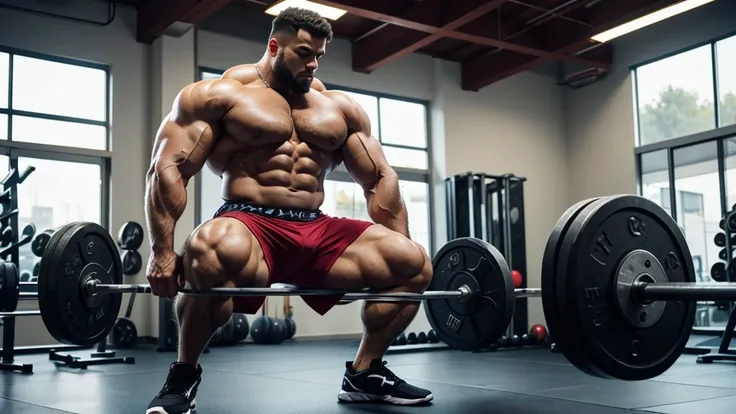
{"x":699,"y":211}
{"x":403,"y":123}
{"x":69,"y":134}
{"x":416,"y":198}
{"x":345,"y":199}
{"x":675,"y":96}
{"x":210,"y":75}
{"x":370,"y":106}
{"x":4,"y":80}
{"x":726,"y":61}
{"x":407,"y":158}
{"x":3,"y":126}
{"x":77,"y":91}
{"x":56,"y":193}
{"x":655,"y":178}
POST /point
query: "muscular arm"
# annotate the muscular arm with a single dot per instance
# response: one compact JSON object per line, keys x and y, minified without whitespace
{"x":366,"y":163}
{"x":183,"y":143}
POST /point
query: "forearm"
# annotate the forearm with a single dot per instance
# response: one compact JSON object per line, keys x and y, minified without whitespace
{"x":166,"y":199}
{"x":385,"y":205}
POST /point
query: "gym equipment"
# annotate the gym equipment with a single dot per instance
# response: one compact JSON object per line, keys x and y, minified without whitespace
{"x":411,"y":339}
{"x":538,"y":333}
{"x":132,"y":262}
{"x":290,"y":327}
{"x":618,"y":290}
{"x":490,"y":207}
{"x":130,"y":236}
{"x":422,"y":338}
{"x":80,"y":281}
{"x":261,"y":331}
{"x":235,"y":330}
{"x":40,"y":241}
{"x":124,"y":333}
{"x":432,"y":337}
{"x":9,"y":287}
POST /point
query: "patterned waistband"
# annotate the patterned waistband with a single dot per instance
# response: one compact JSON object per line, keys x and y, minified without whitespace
{"x":274,"y":212}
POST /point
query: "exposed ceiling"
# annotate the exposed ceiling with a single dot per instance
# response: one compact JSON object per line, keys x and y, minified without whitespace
{"x":491,"y":39}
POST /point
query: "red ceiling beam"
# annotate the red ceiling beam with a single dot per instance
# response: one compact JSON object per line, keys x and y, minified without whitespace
{"x":355,"y":7}
{"x":155,"y":16}
{"x":373,"y":52}
{"x":492,"y":68}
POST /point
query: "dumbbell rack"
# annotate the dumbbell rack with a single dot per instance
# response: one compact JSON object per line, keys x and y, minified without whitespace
{"x":724,"y":353}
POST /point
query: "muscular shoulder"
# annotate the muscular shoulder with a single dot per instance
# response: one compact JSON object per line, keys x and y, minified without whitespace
{"x":207,"y":98}
{"x":355,"y":116}
{"x":245,"y":73}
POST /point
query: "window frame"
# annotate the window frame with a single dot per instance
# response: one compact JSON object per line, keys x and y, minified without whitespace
{"x":18,"y":149}
{"x":716,"y":98}
{"x":341,"y":174}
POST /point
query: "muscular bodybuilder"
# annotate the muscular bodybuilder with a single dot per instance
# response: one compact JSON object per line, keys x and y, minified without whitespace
{"x":273,"y":133}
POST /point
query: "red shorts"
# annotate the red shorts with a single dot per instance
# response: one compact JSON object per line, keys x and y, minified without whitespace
{"x":299,"y":247}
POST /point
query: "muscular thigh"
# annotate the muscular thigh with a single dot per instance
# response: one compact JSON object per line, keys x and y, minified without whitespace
{"x":379,"y":258}
{"x":224,"y":252}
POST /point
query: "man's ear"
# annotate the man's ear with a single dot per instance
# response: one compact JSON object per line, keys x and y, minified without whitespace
{"x":273,"y":47}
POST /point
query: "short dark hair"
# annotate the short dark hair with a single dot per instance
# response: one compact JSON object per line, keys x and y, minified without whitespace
{"x":291,"y":19}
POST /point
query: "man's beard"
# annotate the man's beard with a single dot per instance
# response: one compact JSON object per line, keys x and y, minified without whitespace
{"x":286,"y":79}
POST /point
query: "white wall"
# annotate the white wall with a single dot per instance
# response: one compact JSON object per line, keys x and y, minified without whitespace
{"x":114,"y":45}
{"x":516,"y":126}
{"x":600,"y":117}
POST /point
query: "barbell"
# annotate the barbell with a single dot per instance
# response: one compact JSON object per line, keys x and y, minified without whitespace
{"x":618,"y":288}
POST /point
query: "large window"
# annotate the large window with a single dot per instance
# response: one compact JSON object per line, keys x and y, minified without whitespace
{"x":61,"y":128}
{"x":401,"y":125}
{"x":686,"y":113}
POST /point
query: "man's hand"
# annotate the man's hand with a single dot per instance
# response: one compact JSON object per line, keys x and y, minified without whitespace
{"x":164,"y":274}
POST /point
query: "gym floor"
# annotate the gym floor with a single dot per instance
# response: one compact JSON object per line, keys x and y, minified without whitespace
{"x":304,"y":377}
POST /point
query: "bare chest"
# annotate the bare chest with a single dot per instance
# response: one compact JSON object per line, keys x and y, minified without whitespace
{"x":270,"y":119}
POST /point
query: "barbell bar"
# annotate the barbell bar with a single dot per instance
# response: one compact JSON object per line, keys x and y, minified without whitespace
{"x":618,"y":288}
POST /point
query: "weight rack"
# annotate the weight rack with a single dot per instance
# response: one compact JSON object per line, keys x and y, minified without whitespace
{"x":490,"y":207}
{"x":10,"y":253}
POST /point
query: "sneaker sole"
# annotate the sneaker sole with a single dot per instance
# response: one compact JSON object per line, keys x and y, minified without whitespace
{"x":363,"y":397}
{"x":162,"y":410}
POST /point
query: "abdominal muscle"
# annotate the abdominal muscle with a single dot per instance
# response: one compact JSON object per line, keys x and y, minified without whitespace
{"x":288,"y":174}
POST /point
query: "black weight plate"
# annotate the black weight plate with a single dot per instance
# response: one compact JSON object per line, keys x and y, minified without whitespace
{"x":132,"y":262}
{"x":9,"y":287}
{"x":40,"y":242}
{"x":130,"y":236}
{"x":124,"y":334}
{"x":597,"y":241}
{"x":718,"y":272}
{"x":75,"y":253}
{"x":553,"y":315}
{"x":480,"y":321}
{"x":51,"y":316}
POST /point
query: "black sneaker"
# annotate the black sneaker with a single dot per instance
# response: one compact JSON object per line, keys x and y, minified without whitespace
{"x":378,"y":383}
{"x":179,"y":390}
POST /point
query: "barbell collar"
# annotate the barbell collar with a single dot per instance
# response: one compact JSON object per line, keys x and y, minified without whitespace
{"x":684,"y":291}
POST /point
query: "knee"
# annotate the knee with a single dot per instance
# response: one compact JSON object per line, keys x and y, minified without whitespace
{"x":214,"y":250}
{"x":417,"y":266}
